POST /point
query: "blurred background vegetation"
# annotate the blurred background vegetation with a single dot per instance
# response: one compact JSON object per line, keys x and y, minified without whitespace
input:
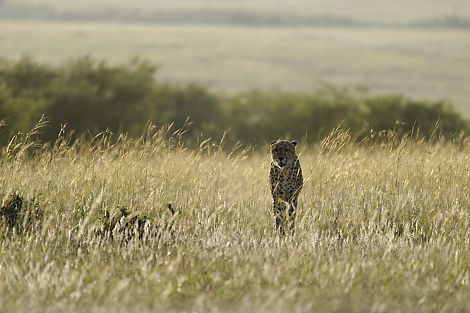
{"x":91,"y":96}
{"x":259,"y":69}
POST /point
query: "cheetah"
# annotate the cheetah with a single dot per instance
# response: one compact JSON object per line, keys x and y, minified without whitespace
{"x":286,"y":182}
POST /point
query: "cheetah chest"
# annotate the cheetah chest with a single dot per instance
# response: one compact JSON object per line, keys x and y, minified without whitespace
{"x":286,"y":183}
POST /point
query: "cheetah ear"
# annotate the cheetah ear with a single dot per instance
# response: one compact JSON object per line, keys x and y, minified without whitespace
{"x":294,"y":142}
{"x":273,"y":142}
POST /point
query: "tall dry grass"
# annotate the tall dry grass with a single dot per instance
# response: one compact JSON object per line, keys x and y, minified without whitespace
{"x":381,"y":227}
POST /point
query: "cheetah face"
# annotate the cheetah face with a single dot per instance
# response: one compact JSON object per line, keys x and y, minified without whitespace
{"x":283,"y":152}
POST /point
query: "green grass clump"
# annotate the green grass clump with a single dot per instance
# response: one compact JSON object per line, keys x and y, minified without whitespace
{"x":381,"y":227}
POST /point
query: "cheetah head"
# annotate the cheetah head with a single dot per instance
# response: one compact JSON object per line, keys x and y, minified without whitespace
{"x":283,"y":152}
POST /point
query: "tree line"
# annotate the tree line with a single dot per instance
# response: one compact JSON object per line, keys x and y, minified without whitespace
{"x":24,"y":10}
{"x":90,"y":96}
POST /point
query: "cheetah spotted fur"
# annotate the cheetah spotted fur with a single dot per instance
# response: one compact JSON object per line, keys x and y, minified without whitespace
{"x":286,"y":182}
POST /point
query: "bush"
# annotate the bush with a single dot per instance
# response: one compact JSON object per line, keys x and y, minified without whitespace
{"x":411,"y":116}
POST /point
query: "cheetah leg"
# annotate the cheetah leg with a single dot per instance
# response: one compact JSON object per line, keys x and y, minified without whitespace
{"x":291,"y":216}
{"x":279,"y":214}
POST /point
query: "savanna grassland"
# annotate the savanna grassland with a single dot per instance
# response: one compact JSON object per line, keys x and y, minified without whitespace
{"x":424,"y":63}
{"x":381,"y":227}
{"x":419,"y":48}
{"x":169,"y":222}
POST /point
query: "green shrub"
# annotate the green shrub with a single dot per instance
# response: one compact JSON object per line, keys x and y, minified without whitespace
{"x":411,"y":116}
